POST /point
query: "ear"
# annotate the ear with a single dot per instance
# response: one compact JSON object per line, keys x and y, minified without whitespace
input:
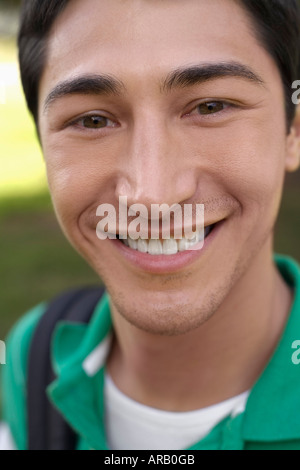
{"x":292,"y":162}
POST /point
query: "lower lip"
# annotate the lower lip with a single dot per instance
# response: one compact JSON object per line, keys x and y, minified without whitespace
{"x":164,"y":264}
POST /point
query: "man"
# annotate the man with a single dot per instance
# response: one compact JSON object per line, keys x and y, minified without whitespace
{"x":169,"y":103}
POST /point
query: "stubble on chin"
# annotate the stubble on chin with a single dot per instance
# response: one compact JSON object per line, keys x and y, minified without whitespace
{"x":167,"y":319}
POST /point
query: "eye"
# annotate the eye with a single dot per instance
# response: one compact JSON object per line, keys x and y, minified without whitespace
{"x":95,"y":122}
{"x":211,"y":107}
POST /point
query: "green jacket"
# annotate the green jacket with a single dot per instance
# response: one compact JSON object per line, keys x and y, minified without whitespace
{"x":271,"y":419}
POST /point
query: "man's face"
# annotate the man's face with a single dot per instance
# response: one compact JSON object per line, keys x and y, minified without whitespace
{"x":167,"y":128}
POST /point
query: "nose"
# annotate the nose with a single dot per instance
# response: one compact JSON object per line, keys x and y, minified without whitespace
{"x":154,"y":169}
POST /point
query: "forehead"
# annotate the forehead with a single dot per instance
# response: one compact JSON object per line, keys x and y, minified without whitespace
{"x":140,"y":41}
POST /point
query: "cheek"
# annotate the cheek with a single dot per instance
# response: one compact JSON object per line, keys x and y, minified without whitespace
{"x":79,"y":179}
{"x":248,"y":161}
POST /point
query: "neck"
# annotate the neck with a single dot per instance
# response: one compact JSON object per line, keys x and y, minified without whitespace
{"x":220,"y":359}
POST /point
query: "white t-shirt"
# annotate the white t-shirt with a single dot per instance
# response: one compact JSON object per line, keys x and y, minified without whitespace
{"x":6,"y":440}
{"x":133,"y":426}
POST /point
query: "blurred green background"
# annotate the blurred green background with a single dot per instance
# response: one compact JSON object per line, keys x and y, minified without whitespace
{"x":36,"y":262}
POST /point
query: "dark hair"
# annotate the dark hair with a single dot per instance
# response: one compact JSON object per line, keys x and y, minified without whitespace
{"x":37,"y":18}
{"x":276,"y":25}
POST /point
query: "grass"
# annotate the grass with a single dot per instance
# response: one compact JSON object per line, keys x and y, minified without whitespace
{"x":287,"y":230}
{"x":36,"y":261}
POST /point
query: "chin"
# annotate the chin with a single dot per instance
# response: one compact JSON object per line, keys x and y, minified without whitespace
{"x":161,"y":315}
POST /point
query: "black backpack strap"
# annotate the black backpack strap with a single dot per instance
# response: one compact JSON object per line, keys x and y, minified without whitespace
{"x":47,"y":430}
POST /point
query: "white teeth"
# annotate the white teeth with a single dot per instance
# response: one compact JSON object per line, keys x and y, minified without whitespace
{"x":170,"y":247}
{"x":183,"y":244}
{"x":132,"y":243}
{"x":155,"y":247}
{"x":165,"y":247}
{"x":142,"y":245}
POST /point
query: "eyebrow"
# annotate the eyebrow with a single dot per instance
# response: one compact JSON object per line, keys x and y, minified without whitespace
{"x":85,"y":85}
{"x":178,"y":78}
{"x":197,"y":74}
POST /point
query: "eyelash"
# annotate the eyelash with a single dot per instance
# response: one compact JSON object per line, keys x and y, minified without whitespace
{"x":214,"y":115}
{"x":194,"y":112}
{"x":79,"y":122}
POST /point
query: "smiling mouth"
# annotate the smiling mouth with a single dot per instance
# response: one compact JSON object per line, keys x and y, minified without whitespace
{"x":168,"y":246}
